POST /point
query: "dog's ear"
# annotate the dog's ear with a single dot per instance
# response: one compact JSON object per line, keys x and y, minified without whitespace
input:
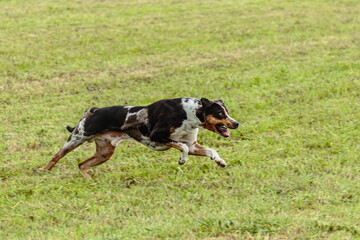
{"x":220,"y":101}
{"x":205,"y":102}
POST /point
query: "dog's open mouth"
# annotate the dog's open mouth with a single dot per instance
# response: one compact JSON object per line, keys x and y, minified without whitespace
{"x":222,"y":130}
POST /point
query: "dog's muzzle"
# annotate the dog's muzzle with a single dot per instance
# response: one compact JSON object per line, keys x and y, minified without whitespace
{"x":235,"y":125}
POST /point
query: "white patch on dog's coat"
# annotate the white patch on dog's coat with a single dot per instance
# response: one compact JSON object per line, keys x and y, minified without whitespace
{"x":188,"y":130}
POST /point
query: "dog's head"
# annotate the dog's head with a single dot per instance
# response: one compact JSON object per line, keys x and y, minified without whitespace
{"x":215,"y":117}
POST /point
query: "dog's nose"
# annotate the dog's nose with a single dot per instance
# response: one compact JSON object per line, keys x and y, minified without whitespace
{"x":236,"y":125}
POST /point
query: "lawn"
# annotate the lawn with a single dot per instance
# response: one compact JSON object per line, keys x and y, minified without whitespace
{"x":288,"y":71}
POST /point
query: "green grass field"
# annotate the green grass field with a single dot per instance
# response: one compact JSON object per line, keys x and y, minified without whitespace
{"x":288,"y":71}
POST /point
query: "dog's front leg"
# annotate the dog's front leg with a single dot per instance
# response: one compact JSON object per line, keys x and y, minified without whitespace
{"x":161,"y":135}
{"x":184,"y":149}
{"x":197,"y":149}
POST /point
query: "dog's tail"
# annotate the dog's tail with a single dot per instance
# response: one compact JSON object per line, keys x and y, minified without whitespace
{"x":70,"y":129}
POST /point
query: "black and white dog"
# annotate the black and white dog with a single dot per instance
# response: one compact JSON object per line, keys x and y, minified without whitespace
{"x":164,"y":124}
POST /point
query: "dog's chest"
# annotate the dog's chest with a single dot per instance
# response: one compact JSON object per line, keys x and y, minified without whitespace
{"x":187,"y":132}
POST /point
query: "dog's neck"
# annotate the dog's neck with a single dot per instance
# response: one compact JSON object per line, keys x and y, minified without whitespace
{"x":194,"y":111}
{"x":200,"y":114}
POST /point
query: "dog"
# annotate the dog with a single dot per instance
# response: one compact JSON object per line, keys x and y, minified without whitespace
{"x":168,"y":123}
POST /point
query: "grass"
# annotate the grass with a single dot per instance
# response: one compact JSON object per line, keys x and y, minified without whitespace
{"x":288,"y":71}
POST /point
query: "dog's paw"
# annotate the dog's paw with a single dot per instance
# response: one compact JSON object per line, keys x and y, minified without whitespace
{"x":40,"y":170}
{"x":182,"y":161}
{"x":221,"y":163}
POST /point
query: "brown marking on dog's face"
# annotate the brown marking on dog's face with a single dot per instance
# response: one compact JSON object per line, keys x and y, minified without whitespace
{"x":211,"y":122}
{"x":217,"y":119}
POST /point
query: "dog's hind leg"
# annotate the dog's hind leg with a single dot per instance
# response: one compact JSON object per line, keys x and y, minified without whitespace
{"x":76,"y":138}
{"x":104,"y":150}
{"x":73,"y":142}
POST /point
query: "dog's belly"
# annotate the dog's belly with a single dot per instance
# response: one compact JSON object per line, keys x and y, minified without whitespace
{"x":153,"y":145}
{"x":113,"y":137}
{"x":137,"y":136}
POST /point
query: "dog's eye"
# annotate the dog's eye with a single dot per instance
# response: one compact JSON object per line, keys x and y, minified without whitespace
{"x":221,"y":114}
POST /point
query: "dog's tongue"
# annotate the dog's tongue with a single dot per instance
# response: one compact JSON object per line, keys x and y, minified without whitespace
{"x":224,"y":131}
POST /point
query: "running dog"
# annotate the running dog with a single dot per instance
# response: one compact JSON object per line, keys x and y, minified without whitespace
{"x":161,"y":125}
